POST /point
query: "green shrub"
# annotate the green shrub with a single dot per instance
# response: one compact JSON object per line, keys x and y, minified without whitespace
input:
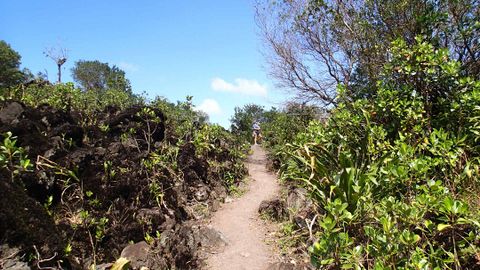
{"x":392,"y":175}
{"x":12,"y":158}
{"x":67,"y":97}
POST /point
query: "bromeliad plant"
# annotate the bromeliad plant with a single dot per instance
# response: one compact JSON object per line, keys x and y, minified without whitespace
{"x":392,"y":176}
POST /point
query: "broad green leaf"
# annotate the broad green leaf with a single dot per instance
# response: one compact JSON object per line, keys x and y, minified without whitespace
{"x":442,"y":227}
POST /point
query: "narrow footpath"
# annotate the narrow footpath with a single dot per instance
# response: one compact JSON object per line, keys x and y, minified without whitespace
{"x":239,"y":222}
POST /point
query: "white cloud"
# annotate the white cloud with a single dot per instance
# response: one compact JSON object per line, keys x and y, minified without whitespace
{"x":242,"y":86}
{"x":210,"y":106}
{"x":129,"y":67}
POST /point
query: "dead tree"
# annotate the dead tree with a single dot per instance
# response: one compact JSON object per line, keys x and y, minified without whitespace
{"x":59,"y":56}
{"x":304,"y":54}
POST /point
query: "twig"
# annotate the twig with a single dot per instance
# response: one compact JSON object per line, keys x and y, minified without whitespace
{"x":2,"y":261}
{"x":44,"y":260}
{"x":93,"y":248}
{"x":310,"y":226}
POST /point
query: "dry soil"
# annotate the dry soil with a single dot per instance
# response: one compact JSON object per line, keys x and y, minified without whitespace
{"x":240,"y":223}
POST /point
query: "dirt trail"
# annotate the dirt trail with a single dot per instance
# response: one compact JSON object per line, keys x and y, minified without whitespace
{"x":240,"y":224}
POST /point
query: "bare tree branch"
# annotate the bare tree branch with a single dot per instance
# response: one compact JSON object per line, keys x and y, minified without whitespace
{"x":59,"y":55}
{"x":312,"y":46}
{"x":307,"y":58}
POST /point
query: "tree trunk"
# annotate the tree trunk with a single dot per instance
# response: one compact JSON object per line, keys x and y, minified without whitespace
{"x":59,"y":73}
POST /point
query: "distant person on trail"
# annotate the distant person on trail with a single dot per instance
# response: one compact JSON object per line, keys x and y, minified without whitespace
{"x":256,"y":132}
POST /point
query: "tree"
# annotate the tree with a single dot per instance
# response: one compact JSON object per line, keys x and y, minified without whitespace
{"x":10,"y":73}
{"x":116,"y":80}
{"x":59,"y":56}
{"x":243,"y":118}
{"x":98,"y":76}
{"x":314,"y":45}
{"x":281,"y":126}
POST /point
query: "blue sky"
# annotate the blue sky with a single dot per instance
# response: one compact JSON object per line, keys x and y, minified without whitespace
{"x":207,"y":49}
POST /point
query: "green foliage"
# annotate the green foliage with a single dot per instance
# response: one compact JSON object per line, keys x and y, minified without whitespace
{"x":278,"y":126}
{"x":10,"y":73}
{"x":135,"y":161}
{"x":219,"y":147}
{"x":181,"y":118}
{"x":392,"y":175}
{"x":316,"y":45}
{"x":67,"y":97}
{"x":282,"y":126}
{"x":12,"y":157}
{"x":243,"y":118}
{"x":99,"y":77}
{"x":224,"y":151}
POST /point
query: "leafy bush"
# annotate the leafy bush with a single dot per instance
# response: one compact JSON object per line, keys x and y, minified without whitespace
{"x":281,"y":126}
{"x":67,"y":97}
{"x":109,"y":169}
{"x":243,"y":119}
{"x":182,"y":119}
{"x":393,"y":176}
{"x":12,"y":157}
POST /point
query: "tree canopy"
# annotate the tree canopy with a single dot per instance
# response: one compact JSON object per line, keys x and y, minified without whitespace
{"x":314,"y":45}
{"x":98,"y":76}
{"x":243,"y":118}
{"x":10,"y":73}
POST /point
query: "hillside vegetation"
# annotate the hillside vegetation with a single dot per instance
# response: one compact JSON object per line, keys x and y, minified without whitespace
{"x":393,"y":176}
{"x":88,"y":172}
{"x":379,"y":152}
{"x":392,"y":166}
